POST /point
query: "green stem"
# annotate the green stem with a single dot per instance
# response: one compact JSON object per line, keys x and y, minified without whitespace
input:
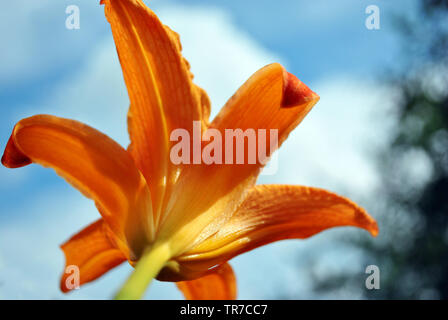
{"x":147,"y":268}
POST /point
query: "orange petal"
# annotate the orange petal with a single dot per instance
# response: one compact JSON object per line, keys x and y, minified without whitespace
{"x":93,"y":251}
{"x":277,"y":212}
{"x":272,"y":99}
{"x":94,"y":164}
{"x":162,"y":94}
{"x":218,"y":284}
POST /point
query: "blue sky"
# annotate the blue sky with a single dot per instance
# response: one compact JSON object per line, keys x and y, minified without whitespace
{"x":45,"y":68}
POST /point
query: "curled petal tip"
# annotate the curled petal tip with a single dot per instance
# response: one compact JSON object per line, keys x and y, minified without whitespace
{"x":295,"y":92}
{"x":13,"y":157}
{"x":366,"y":222}
{"x":374,"y":230}
{"x":63,"y":286}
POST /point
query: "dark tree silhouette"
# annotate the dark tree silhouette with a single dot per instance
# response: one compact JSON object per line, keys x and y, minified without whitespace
{"x":412,"y":207}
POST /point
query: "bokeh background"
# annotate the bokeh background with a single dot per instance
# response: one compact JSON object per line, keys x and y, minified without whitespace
{"x":378,"y":135}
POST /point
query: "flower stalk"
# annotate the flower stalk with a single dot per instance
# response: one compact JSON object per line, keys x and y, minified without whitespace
{"x":147,"y":268}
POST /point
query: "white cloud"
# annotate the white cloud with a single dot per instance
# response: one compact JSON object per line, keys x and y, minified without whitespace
{"x":328,"y":144}
{"x":333,"y":148}
{"x":96,"y":94}
{"x":2,"y":263}
{"x":336,"y":143}
{"x":222,"y":57}
{"x":38,"y":41}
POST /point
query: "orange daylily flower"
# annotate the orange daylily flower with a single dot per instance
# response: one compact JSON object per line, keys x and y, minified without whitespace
{"x":178,"y":223}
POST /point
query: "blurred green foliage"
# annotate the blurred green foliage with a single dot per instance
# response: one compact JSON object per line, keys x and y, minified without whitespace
{"x":412,"y":205}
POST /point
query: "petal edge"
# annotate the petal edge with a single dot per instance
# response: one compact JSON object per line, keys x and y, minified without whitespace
{"x":218,"y":284}
{"x":94,"y":164}
{"x":93,"y":252}
{"x":277,"y":212}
